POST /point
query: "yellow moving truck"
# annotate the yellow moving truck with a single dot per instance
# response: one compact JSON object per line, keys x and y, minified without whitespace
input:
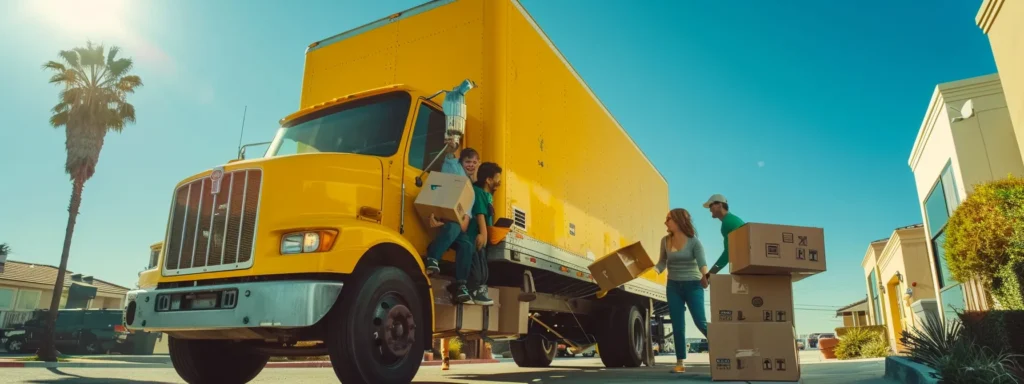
{"x":316,"y":248}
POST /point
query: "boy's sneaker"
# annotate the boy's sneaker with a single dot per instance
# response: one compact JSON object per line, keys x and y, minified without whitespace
{"x":432,"y":267}
{"x":462,"y":295}
{"x":480,"y":296}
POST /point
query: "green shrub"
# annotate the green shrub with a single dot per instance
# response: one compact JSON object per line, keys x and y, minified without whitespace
{"x":841,"y":331}
{"x":985,"y":239}
{"x":454,"y":348}
{"x":877,"y":347}
{"x":852,"y":345}
{"x":968,"y":363}
{"x":997,"y":330}
{"x":929,"y":344}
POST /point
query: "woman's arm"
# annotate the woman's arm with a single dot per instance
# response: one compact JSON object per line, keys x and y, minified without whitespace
{"x":662,"y":257}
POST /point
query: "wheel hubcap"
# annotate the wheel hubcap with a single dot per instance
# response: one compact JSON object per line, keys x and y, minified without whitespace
{"x":395,"y":328}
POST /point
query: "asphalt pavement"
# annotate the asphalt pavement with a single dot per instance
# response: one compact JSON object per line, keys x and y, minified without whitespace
{"x":569,"y":370}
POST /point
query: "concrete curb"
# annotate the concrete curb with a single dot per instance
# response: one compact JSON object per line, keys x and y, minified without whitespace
{"x":906,"y":371}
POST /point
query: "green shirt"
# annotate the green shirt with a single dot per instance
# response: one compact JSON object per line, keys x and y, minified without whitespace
{"x":481,"y":206}
{"x":729,"y":223}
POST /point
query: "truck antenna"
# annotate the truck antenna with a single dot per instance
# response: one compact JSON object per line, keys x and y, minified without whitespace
{"x":244,"y":111}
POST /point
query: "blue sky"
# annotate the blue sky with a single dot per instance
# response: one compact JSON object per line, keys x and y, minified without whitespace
{"x":800,"y":112}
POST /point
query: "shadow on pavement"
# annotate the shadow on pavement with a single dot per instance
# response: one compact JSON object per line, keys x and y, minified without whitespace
{"x":75,"y":379}
{"x":564,"y":374}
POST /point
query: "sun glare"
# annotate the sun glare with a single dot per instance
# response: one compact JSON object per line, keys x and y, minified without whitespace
{"x":95,"y":19}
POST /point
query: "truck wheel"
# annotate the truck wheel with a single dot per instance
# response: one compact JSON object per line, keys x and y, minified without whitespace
{"x":533,"y":352}
{"x":214,"y":361}
{"x":375,"y":332}
{"x":623,"y":339}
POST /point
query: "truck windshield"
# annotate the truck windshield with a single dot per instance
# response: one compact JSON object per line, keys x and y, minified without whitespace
{"x":372,"y":126}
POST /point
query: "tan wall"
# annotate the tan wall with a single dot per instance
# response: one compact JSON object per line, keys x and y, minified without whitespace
{"x":990,"y":153}
{"x":1001,"y":20}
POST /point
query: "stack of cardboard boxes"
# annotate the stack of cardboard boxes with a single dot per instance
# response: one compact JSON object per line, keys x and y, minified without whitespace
{"x":751,"y":332}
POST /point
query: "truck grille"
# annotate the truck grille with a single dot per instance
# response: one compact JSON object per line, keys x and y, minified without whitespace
{"x":214,"y":232}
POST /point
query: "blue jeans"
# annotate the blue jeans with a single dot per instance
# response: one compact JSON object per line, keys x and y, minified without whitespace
{"x":450,"y":236}
{"x":682,"y":294}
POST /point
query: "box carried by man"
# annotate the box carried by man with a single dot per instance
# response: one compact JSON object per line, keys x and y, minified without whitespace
{"x":772,"y":249}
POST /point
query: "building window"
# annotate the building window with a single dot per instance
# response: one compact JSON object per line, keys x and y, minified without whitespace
{"x":7,"y":296}
{"x":939,"y":251}
{"x":953,"y":301}
{"x":939,"y":206}
{"x":876,"y":304}
{"x":28,"y":300}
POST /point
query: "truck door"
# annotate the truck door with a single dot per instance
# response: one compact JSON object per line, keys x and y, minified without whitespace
{"x":426,"y":142}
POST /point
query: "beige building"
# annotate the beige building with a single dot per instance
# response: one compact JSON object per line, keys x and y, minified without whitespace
{"x":26,"y":287}
{"x":1003,"y":22}
{"x":854,"y":315}
{"x":898,"y":278}
{"x":966,"y":138}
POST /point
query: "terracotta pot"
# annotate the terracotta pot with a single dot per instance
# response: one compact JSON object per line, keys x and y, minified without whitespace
{"x":828,"y":347}
{"x":428,"y":356}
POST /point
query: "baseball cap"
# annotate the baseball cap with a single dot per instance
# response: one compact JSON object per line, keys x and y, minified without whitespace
{"x":716,"y":198}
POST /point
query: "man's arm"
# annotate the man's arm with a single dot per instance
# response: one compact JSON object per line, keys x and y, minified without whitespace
{"x":728,"y":226}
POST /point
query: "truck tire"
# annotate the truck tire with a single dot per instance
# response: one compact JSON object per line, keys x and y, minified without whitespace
{"x":214,"y":361}
{"x":533,"y":352}
{"x":623,"y":339}
{"x":375,"y":331}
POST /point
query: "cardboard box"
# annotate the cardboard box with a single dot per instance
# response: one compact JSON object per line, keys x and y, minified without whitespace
{"x":446,"y":314}
{"x":753,"y":352}
{"x":751,"y":298}
{"x":621,"y":266}
{"x":769,"y":249}
{"x":514,"y":314}
{"x":446,"y":196}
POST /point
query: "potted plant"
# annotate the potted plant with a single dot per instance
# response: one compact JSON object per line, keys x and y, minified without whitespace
{"x":828,"y":347}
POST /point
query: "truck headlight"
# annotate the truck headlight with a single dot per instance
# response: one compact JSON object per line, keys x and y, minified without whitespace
{"x":307,"y":241}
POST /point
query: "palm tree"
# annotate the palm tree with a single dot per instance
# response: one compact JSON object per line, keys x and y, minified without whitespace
{"x":92,"y":102}
{"x":5,"y":249}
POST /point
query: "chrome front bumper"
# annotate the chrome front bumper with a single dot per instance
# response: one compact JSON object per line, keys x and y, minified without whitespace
{"x":275,"y":304}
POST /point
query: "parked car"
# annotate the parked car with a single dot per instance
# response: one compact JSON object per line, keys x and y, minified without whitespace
{"x":86,"y":331}
{"x":698,"y":347}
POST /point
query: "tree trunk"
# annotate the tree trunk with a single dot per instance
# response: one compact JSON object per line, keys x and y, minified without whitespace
{"x":48,"y":352}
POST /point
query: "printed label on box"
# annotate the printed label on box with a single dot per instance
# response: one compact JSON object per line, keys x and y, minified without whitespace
{"x":724,"y":315}
{"x":757,"y":301}
{"x":787,"y":237}
{"x":814,"y":255}
{"x":780,"y":316}
{"x":801,"y":254}
{"x":780,"y":364}
{"x":766,"y":364}
{"x":723,"y":364}
{"x":767,"y":316}
{"x":772,"y":250}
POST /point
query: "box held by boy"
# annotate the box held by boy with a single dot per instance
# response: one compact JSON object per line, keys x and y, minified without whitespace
{"x":446,"y":196}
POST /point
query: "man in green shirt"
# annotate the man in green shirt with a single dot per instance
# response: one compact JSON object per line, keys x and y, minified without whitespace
{"x":471,"y":275}
{"x":719,"y":208}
